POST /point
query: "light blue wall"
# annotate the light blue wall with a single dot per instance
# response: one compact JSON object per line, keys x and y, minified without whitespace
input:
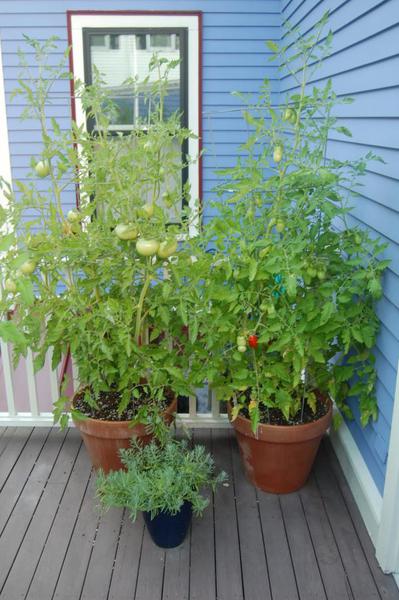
{"x":234,"y":58}
{"x":364,"y":64}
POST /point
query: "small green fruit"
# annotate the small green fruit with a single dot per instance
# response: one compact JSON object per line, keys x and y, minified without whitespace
{"x":42,"y":168}
{"x":28,"y":267}
{"x":126,"y":231}
{"x":277,"y":153}
{"x":73,"y":216}
{"x":148,"y":210}
{"x":242,"y":348}
{"x":167,"y":248}
{"x":147,"y":247}
{"x":10,"y":286}
{"x":280,"y":226}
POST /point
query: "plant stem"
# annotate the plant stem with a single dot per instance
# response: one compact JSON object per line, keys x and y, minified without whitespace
{"x":140,"y":305}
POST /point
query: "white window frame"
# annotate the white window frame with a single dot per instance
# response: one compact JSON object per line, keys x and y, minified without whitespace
{"x":153,"y":21}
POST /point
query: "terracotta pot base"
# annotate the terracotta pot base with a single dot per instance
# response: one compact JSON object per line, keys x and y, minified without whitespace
{"x":279,"y":459}
{"x":104,"y":439}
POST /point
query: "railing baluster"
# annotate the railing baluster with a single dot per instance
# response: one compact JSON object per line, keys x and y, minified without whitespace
{"x":215,"y":404}
{"x":53,"y":376}
{"x":32,"y":391}
{"x":5,"y":357}
{"x":192,"y":406}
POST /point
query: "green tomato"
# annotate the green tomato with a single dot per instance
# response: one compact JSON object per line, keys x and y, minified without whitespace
{"x":241,"y":348}
{"x":312,"y":272}
{"x":280,"y":226}
{"x":147,"y":247}
{"x":126,"y":231}
{"x":28,"y":267}
{"x":287,"y":114}
{"x":277,"y":153}
{"x":241,"y":341}
{"x":10,"y":286}
{"x":167,"y":248}
{"x":42,"y":168}
{"x":321,"y":275}
{"x":148,"y":210}
{"x":73,"y":216}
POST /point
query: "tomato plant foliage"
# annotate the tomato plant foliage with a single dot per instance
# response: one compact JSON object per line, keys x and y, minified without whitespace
{"x":288,"y":266}
{"x":77,"y":279}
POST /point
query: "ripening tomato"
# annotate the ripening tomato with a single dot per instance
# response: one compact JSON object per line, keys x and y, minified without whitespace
{"x":253,"y":341}
{"x":73,"y":216}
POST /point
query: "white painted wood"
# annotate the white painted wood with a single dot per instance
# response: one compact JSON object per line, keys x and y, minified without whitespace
{"x":192,"y":406}
{"x":5,"y":164}
{"x":53,"y":379}
{"x":387,"y":548}
{"x":75,"y":376}
{"x":25,"y":419}
{"x":191,"y":22}
{"x":361,"y":483}
{"x":215,"y":404}
{"x":32,"y":390}
{"x":7,"y":370}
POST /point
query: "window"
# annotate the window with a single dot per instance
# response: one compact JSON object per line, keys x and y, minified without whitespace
{"x":120,"y":46}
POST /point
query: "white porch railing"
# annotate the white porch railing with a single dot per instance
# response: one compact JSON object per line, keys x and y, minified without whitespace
{"x":26,"y":398}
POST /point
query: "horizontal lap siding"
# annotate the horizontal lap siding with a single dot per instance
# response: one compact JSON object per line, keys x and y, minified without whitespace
{"x":234,"y":58}
{"x":364,"y":64}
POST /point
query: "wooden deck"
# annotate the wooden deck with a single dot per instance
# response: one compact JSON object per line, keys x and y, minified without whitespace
{"x":54,"y":544}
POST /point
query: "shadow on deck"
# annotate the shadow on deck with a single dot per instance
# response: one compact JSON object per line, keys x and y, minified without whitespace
{"x":310,"y":545}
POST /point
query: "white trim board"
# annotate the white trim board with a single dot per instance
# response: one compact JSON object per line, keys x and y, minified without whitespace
{"x":191,"y":22}
{"x":361,"y":483}
{"x":387,"y":546}
{"x":5,"y":164}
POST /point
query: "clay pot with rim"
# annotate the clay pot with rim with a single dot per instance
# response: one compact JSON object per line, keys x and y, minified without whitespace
{"x":279,"y":458}
{"x":103,"y":439}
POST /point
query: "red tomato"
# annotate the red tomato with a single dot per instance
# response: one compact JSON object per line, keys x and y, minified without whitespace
{"x":253,"y":341}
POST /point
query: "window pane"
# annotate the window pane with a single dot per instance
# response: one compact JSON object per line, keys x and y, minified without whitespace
{"x":127,"y":57}
{"x":97,"y":40}
{"x":161,"y":40}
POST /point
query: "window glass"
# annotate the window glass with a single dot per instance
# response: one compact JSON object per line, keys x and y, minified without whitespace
{"x":129,"y":60}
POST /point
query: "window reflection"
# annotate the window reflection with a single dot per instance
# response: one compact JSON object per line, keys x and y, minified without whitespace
{"x":119,"y":57}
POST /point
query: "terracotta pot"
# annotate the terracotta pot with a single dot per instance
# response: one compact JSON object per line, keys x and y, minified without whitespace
{"x":103,"y":439}
{"x":280,"y":457}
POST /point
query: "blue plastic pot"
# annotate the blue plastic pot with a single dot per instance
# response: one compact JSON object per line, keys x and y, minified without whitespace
{"x":169,"y":531}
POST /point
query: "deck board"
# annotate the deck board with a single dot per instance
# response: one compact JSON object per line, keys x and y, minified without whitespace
{"x":55,"y":544}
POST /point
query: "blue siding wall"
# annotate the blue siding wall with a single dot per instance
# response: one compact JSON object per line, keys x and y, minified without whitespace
{"x":234,"y":58}
{"x":364,"y":64}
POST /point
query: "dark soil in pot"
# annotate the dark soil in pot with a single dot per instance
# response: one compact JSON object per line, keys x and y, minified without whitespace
{"x":169,"y":531}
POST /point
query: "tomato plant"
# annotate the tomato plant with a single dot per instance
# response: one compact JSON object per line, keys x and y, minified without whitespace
{"x":93,"y":279}
{"x":290,"y":267}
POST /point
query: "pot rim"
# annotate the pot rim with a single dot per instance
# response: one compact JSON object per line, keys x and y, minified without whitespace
{"x":284,"y":433}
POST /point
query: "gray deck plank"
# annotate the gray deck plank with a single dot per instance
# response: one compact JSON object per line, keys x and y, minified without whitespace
{"x":73,"y":570}
{"x":11,"y":445}
{"x":26,"y":560}
{"x":387,"y":587}
{"x":360,"y":578}
{"x":22,"y":491}
{"x":98,"y":576}
{"x":253,"y":558}
{"x":281,"y":572}
{"x":307,"y":574}
{"x":334,"y":577}
{"x":52,"y":557}
{"x":229,"y":583}
{"x":127,"y":560}
{"x":151,"y":571}
{"x":56,"y":545}
{"x":202,"y":566}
